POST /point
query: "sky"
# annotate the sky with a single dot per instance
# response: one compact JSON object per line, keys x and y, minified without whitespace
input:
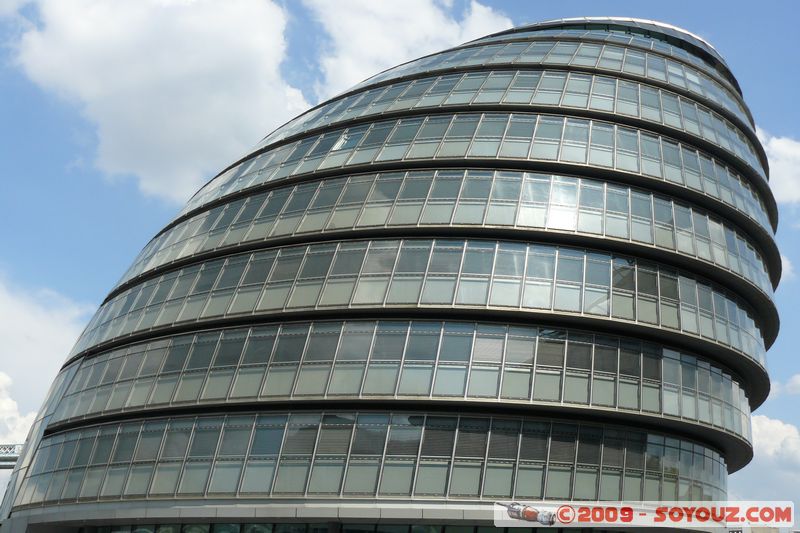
{"x":113,"y":112}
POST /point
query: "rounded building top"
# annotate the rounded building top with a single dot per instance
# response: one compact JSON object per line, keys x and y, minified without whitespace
{"x":653,"y":28}
{"x":645,"y":24}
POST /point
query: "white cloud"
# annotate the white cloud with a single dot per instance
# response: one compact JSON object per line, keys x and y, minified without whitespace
{"x":775,"y":440}
{"x":366,"y":37}
{"x":37,"y":328}
{"x":787,"y":272}
{"x":176,"y":88}
{"x":10,"y":7}
{"x":774,"y":473}
{"x":790,"y":387}
{"x":784,"y":166}
{"x":14,"y":425}
{"x":793,"y":385}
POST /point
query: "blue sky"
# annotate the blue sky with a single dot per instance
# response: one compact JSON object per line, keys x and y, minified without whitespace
{"x":114,"y":112}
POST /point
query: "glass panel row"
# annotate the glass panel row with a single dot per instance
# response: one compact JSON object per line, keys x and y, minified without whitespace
{"x":524,"y":136}
{"x":628,"y":37}
{"x":548,"y":87}
{"x":299,"y":527}
{"x":369,"y":454}
{"x":54,"y":395}
{"x":608,"y":57}
{"x":462,"y":198}
{"x":401,"y":359}
{"x":433,"y":273}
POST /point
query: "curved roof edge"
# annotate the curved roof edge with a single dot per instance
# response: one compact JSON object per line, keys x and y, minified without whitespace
{"x":664,"y":28}
{"x":624,"y":20}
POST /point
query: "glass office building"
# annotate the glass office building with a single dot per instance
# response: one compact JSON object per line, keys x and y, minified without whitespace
{"x":539,"y":265}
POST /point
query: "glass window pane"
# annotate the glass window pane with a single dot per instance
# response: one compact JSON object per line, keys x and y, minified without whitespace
{"x":450,"y":381}
{"x":397,"y":477}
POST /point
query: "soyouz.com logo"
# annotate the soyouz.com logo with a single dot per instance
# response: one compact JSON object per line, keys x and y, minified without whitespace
{"x":722,"y":514}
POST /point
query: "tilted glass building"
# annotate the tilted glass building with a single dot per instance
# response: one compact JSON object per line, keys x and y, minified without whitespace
{"x":535,"y":266}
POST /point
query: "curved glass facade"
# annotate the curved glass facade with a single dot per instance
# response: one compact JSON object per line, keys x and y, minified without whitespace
{"x":659,"y":35}
{"x":538,"y":88}
{"x":503,"y":137}
{"x":463,"y":198}
{"x":653,"y":67}
{"x":650,"y":42}
{"x":536,"y":266}
{"x":433,"y":273}
{"x":367,"y":454}
{"x":401,"y":359}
